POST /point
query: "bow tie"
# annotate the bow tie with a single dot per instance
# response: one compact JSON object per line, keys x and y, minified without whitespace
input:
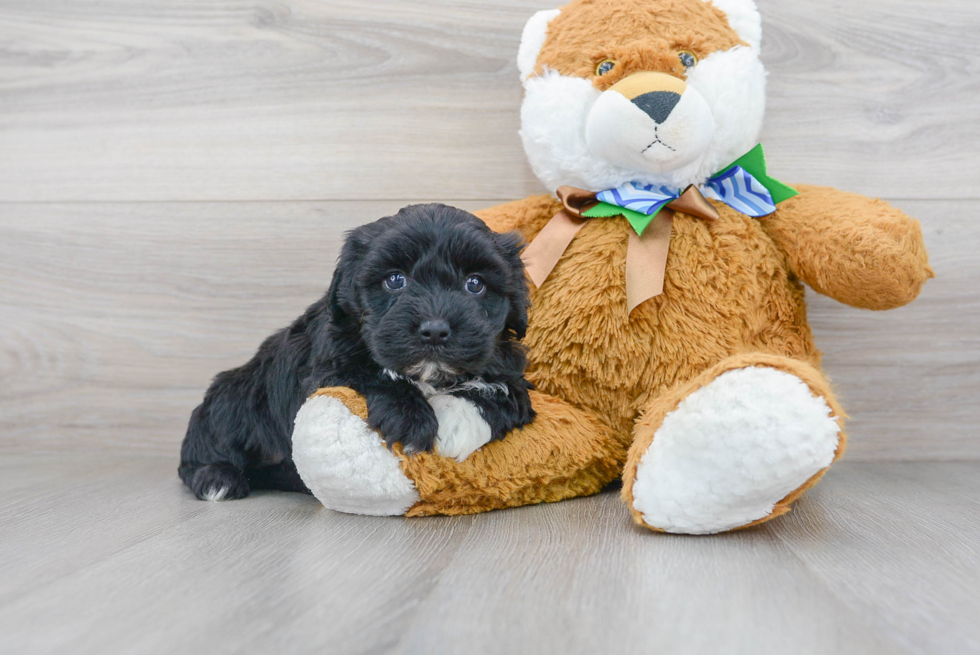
{"x":744,"y":186}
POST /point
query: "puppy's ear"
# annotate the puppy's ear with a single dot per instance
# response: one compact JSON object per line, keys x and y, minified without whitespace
{"x":342,"y":295}
{"x":511,"y":244}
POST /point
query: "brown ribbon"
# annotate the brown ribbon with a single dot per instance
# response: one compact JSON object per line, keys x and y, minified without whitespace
{"x":646,"y":254}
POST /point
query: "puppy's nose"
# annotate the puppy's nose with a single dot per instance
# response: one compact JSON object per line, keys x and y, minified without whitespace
{"x":657,"y":104}
{"x":435,"y":332}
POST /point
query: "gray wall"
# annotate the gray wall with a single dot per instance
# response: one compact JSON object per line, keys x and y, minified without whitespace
{"x":175,"y":179}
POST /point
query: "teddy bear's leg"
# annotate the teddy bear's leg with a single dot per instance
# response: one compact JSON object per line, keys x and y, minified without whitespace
{"x":565,"y":452}
{"x":734,"y":447}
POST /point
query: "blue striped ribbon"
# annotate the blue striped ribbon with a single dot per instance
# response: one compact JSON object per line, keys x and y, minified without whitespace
{"x":736,"y":187}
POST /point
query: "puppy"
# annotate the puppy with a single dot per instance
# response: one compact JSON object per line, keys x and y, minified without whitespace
{"x":423,"y":318}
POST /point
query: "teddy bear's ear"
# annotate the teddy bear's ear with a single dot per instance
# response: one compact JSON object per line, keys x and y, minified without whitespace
{"x":744,"y":18}
{"x":532,"y":39}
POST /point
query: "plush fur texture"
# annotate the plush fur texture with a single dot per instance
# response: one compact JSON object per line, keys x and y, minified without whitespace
{"x":701,"y":472}
{"x":344,"y":462}
{"x":744,"y":18}
{"x":733,"y":298}
{"x":532,"y":39}
{"x":579,"y":130}
{"x":732,"y":303}
{"x":562,"y":454}
{"x":425,"y":302}
{"x":657,"y":410}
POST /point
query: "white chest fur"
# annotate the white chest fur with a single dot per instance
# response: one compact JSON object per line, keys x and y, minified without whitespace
{"x":462,"y":429}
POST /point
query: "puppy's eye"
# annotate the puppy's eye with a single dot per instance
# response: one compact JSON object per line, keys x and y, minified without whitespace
{"x":395,"y":281}
{"x":688,"y":59}
{"x":605,"y":66}
{"x":475,"y":285}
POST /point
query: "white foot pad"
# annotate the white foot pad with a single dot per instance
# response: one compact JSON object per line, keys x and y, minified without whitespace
{"x":345,"y":464}
{"x":462,"y":429}
{"x":732,"y":450}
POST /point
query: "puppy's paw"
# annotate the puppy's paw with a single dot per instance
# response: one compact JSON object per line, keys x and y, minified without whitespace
{"x":462,"y":429}
{"x":412,"y":423}
{"x":219,"y":482}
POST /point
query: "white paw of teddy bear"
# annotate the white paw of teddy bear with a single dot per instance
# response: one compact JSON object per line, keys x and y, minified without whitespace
{"x":345,"y":464}
{"x":732,"y":450}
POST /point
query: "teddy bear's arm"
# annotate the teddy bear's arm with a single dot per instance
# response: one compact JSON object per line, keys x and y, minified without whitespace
{"x":859,"y":251}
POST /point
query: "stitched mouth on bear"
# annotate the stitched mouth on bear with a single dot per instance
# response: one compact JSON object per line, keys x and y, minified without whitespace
{"x":635,"y":137}
{"x":657,"y":141}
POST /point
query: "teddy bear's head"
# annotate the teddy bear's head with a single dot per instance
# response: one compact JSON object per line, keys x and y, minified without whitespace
{"x":664,"y":92}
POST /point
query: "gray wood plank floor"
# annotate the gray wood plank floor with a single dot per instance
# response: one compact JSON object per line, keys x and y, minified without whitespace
{"x":112,"y":555}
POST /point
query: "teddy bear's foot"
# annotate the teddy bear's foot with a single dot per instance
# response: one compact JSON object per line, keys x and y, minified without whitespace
{"x":344,"y":462}
{"x":733,"y":448}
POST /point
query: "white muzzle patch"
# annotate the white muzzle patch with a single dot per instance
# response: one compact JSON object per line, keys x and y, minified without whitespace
{"x":655,"y":132}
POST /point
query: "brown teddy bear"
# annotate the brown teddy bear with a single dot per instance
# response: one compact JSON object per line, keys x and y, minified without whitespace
{"x":668,"y":337}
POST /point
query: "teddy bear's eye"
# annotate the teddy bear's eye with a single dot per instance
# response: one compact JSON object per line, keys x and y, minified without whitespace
{"x":688,"y":59}
{"x":605,"y":66}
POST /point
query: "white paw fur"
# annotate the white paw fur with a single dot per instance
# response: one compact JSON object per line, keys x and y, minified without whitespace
{"x":345,"y":464}
{"x":732,"y":450}
{"x":216,"y":494}
{"x":462,"y":429}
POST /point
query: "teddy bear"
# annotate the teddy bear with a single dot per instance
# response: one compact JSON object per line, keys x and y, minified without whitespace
{"x":667,"y":337}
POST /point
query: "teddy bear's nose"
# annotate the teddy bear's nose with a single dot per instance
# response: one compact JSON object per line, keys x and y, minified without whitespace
{"x":657,"y":104}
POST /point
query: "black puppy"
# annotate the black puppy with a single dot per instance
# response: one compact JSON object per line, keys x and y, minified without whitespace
{"x":427,"y":303}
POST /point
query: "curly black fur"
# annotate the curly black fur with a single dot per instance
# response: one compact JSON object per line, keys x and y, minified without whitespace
{"x":364,"y":335}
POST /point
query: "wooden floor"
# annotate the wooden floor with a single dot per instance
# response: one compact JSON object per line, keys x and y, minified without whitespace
{"x":114,"y":556}
{"x":175,"y":181}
